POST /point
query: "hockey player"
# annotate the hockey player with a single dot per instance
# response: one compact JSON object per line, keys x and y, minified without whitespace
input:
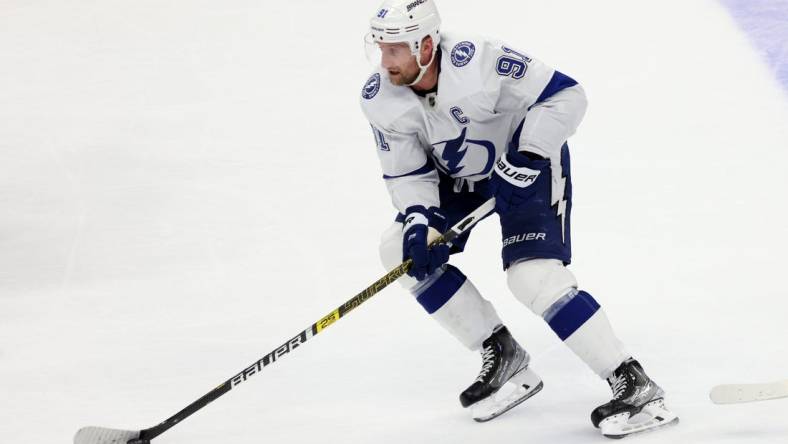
{"x":458,"y":119}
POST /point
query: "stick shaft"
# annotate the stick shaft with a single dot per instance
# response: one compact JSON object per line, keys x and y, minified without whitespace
{"x":458,"y":229}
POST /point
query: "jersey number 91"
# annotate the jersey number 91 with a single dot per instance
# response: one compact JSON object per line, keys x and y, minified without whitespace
{"x":513,"y":64}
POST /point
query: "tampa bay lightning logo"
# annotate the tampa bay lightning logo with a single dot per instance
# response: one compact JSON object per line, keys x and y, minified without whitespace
{"x":372,"y":87}
{"x":462,"y":53}
{"x":473,"y":151}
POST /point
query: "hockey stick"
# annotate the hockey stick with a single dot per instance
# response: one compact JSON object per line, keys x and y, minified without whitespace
{"x":738,"y":393}
{"x":100,"y":435}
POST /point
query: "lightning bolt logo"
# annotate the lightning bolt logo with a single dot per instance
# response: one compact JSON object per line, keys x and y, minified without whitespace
{"x":560,"y":192}
{"x":372,"y":87}
{"x":454,"y":151}
{"x":462,"y":53}
{"x":560,"y":205}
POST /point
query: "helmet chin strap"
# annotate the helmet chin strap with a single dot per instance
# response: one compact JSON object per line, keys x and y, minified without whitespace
{"x":423,"y":68}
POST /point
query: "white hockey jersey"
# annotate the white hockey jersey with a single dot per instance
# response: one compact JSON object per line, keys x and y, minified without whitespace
{"x":489,"y":95}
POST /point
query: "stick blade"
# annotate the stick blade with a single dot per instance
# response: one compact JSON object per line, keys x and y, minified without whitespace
{"x":738,"y":393}
{"x":100,"y":435}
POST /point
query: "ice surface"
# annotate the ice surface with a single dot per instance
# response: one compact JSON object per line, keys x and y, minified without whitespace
{"x":182,"y":184}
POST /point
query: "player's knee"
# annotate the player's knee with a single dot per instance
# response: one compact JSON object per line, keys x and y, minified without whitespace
{"x":539,"y":283}
{"x":391,"y":253}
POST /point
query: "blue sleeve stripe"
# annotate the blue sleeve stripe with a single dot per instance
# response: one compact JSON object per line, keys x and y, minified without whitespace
{"x":423,"y":170}
{"x":573,"y":315}
{"x":558,"y":82}
{"x":437,"y":294}
{"x":515,"y":142}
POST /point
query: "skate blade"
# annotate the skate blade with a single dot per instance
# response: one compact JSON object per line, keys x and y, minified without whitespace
{"x":519,"y":388}
{"x":737,"y":393}
{"x":651,"y":417}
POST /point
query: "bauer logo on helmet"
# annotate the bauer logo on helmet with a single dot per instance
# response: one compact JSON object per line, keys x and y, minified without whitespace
{"x":416,"y":3}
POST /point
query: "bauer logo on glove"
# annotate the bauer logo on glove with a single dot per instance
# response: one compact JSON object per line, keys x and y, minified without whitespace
{"x":518,"y":176}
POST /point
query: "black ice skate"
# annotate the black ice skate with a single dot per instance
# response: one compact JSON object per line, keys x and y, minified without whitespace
{"x":504,"y":365}
{"x":638,"y":404}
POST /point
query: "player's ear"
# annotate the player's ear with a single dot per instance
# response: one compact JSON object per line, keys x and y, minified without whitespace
{"x":426,"y":49}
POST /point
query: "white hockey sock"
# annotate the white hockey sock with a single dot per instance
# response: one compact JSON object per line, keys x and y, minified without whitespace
{"x":584,"y":327}
{"x":453,"y":301}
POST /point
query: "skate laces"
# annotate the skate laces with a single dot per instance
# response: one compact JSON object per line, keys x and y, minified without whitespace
{"x":618,"y":383}
{"x":488,"y":360}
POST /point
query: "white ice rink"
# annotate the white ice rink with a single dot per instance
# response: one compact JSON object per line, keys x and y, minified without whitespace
{"x":186,"y":184}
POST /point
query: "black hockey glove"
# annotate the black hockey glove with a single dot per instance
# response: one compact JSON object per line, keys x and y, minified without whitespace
{"x":418,"y":221}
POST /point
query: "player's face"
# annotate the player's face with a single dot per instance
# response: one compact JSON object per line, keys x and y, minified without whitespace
{"x":399,"y":62}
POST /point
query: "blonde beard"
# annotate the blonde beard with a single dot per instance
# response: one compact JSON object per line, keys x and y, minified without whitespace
{"x":403,"y":79}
